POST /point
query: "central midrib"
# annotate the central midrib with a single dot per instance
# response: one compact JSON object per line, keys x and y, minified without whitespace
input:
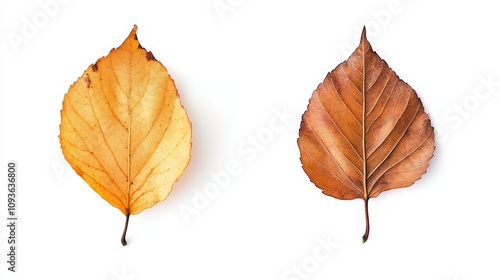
{"x":363,"y":117}
{"x":128,"y":159}
{"x":129,"y":109}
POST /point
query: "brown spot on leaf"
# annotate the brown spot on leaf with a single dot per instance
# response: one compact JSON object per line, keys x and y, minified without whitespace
{"x":94,"y":67}
{"x":87,"y":80}
{"x":150,"y":56}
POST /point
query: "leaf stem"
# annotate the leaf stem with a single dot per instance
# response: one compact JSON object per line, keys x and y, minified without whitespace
{"x":367,"y":221}
{"x":124,"y":242}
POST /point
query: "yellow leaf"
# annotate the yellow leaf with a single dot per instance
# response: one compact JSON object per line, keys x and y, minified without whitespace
{"x":123,"y":129}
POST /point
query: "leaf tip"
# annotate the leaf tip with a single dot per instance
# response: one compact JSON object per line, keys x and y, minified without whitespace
{"x":363,"y":43}
{"x":363,"y":35}
{"x":131,"y":42}
{"x":133,"y":36}
{"x":134,"y":31}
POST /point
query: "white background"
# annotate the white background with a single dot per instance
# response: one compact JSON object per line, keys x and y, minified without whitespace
{"x":234,"y":70}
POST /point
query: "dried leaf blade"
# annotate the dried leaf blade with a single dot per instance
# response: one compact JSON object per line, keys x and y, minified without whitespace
{"x":365,"y":131}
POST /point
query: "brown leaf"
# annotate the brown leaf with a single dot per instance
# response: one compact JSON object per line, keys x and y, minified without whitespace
{"x":123,"y":129}
{"x":365,"y":131}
